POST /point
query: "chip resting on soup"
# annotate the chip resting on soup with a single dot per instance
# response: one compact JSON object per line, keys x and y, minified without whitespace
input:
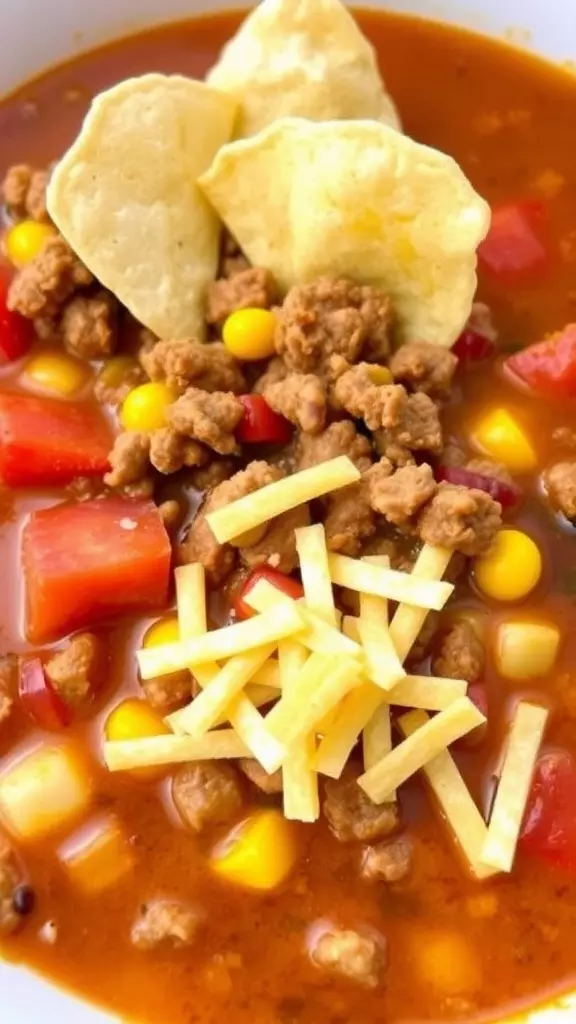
{"x":360,"y":200}
{"x":306,"y":59}
{"x":124,"y":197}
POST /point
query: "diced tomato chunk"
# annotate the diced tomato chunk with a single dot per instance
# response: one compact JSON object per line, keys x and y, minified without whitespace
{"x":512,"y":247}
{"x":39,"y":698}
{"x":44,"y":441}
{"x":549,"y":366}
{"x":292,"y":588}
{"x":85,"y":562}
{"x":549,"y":829}
{"x":16,"y":332}
{"x":260,"y":424}
{"x":471,"y":346}
{"x":506,"y":494}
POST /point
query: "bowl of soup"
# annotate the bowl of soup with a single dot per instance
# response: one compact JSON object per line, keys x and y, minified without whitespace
{"x":287,"y":505}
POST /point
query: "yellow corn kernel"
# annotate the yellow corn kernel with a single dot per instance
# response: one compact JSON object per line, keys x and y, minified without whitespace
{"x":499,"y":435}
{"x":146,"y":406}
{"x":259,"y":854}
{"x":379,"y":374}
{"x":526,"y":650}
{"x":115,"y":370}
{"x":55,"y":373}
{"x":25,"y":240}
{"x":134,"y":719}
{"x":164,"y":631}
{"x":249,"y":334}
{"x":511,"y":568}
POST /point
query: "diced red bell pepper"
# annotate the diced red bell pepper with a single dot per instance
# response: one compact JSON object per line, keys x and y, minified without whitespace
{"x":16,"y":332}
{"x":471,"y":346}
{"x":39,"y":698}
{"x":549,"y":829}
{"x":549,"y":366}
{"x":292,"y":588}
{"x":512,"y":248}
{"x":89,"y":561}
{"x":260,"y":424}
{"x":506,"y":494}
{"x":44,"y":441}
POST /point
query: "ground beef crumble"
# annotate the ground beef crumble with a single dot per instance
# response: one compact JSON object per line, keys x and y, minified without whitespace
{"x":560,"y":482}
{"x":352,"y":816}
{"x":129,"y":459}
{"x":399,"y":494}
{"x":181,"y":363}
{"x":253,"y":770}
{"x":424,"y":367}
{"x":206,"y":793}
{"x":340,"y":438}
{"x":170,"y":452}
{"x":277,"y":547}
{"x":89,"y":326}
{"x":209,"y":417}
{"x":387,"y":862}
{"x":359,"y":958}
{"x":165,"y":923}
{"x":76,"y":671}
{"x":413,"y":425}
{"x":301,"y":398}
{"x":349,"y":519}
{"x":460,"y":518}
{"x":24,"y":192}
{"x":41,"y":288}
{"x":460,"y":653}
{"x":249,"y":288}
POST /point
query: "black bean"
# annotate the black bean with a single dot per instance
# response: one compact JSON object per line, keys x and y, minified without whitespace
{"x":23,"y":900}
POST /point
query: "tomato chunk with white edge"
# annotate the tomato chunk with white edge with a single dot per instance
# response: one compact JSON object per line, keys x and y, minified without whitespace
{"x":549,"y":830}
{"x":88,"y":561}
{"x":45,"y":441}
{"x":512,"y":248}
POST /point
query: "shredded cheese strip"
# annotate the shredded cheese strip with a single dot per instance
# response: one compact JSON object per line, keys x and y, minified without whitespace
{"x":122,"y":755}
{"x":383,"y":664}
{"x":401,"y":763}
{"x":191,"y":600}
{"x":281,"y":496}
{"x":315,"y":572}
{"x":221,"y":643}
{"x":377,"y":739}
{"x":454,"y":800}
{"x":319,"y":636}
{"x":210,"y":704}
{"x":433,"y":693}
{"x":251,"y":729}
{"x":320,"y":685}
{"x":300,"y":782}
{"x":267,"y":676}
{"x":389,"y":583}
{"x":405,"y":627}
{"x":354,"y":713}
{"x":513,"y":791}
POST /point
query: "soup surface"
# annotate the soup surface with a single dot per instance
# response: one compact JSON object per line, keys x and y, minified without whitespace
{"x":455,"y":948}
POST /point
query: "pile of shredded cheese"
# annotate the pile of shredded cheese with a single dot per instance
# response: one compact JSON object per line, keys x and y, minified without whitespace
{"x":327,"y":681}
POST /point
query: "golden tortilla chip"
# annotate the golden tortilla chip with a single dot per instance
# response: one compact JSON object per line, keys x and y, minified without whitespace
{"x":356,"y":199}
{"x":125,"y":197}
{"x":301,"y":58}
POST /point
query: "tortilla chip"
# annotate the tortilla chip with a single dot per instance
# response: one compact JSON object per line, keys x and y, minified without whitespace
{"x":356,"y":199}
{"x":125,"y":197}
{"x":301,"y":58}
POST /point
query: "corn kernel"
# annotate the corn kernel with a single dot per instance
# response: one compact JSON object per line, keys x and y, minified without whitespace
{"x":115,"y":370}
{"x":134,"y":719}
{"x":511,"y":568}
{"x":146,"y":406}
{"x":259,"y":854}
{"x":164,"y":631}
{"x":26,"y":240}
{"x":379,"y":374}
{"x":55,"y":373}
{"x":249,"y":334}
{"x":499,"y":435}
{"x":526,"y":650}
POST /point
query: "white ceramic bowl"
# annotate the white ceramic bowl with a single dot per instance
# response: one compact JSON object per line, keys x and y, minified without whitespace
{"x":65,"y":27}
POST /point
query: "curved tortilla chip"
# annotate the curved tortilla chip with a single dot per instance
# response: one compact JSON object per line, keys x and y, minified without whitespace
{"x":301,"y":58}
{"x":356,"y":199}
{"x":125,"y":197}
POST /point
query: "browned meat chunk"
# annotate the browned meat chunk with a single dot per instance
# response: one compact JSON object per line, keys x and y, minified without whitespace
{"x":210,"y":417}
{"x":399,"y":548}
{"x":301,"y":398}
{"x":399,"y":494}
{"x":43,"y":286}
{"x":76,"y":671}
{"x":278,"y":545}
{"x":353,"y":956}
{"x":180,"y":363}
{"x":561,"y":487}
{"x":460,"y":654}
{"x":487,"y":467}
{"x":129,"y":459}
{"x":340,"y":438}
{"x":165,"y":923}
{"x":200,"y":544}
{"x":8,"y":680}
{"x":12,"y":906}
{"x":356,"y":392}
{"x":216,"y":472}
{"x":461,"y":518}
{"x":413,"y":425}
{"x":269,"y":784}
{"x":421,"y":645}
{"x":252,"y":288}
{"x":424,"y":367}
{"x":352,"y":815}
{"x":329,"y":318}
{"x":24,"y":192}
{"x":206,"y":793}
{"x":387,"y":862}
{"x":275,"y":372}
{"x":349,"y":520}
{"x":169,"y":691}
{"x":89,"y":326}
{"x":170,"y":452}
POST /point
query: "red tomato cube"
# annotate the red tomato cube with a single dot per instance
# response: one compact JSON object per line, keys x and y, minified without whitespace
{"x":85,"y":562}
{"x":512,"y":247}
